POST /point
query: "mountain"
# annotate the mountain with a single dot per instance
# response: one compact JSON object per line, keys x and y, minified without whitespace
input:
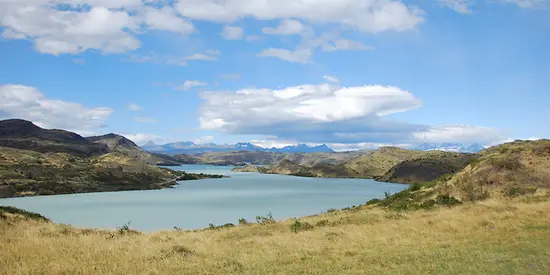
{"x":118,"y":143}
{"x":450,"y":147}
{"x":36,"y":161}
{"x":22,"y":134}
{"x":191,"y":148}
{"x":302,"y":148}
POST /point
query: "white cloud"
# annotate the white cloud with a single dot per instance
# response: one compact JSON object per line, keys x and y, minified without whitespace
{"x":528,"y":4}
{"x":141,"y":139}
{"x":368,"y":16}
{"x":458,"y":133}
{"x":144,"y":120}
{"x":460,"y":6}
{"x":18,"y":101}
{"x":166,"y":19}
{"x":134,"y":107}
{"x":307,"y":110}
{"x":232,"y":33}
{"x":155,"y":58}
{"x":331,"y":79}
{"x":210,"y":55}
{"x":203,"y":140}
{"x":297,"y":56}
{"x":58,"y":32}
{"x":189,"y":84}
{"x":286,"y":27}
{"x":344,"y":45}
{"x":329,"y":113}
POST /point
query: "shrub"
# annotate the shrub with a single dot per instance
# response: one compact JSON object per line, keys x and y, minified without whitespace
{"x":447,"y":200}
{"x":124,"y":229}
{"x":265,"y":220}
{"x":322,"y":223}
{"x":298,"y":226}
{"x":415,"y":187}
{"x":331,"y":210}
{"x":516,"y":191}
{"x":243,"y":221}
{"x":373,"y":201}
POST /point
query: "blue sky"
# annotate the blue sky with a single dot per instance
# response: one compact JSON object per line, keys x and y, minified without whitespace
{"x":352,"y":74}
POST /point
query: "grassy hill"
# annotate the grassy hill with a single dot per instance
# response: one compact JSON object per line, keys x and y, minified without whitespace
{"x":450,"y":230}
{"x":118,"y":143}
{"x":389,"y":164}
{"x":35,"y":161}
{"x":427,"y":167}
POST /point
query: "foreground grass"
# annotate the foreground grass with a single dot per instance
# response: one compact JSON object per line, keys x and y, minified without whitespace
{"x":484,"y":238}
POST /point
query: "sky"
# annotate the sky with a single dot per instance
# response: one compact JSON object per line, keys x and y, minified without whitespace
{"x":348,"y":73}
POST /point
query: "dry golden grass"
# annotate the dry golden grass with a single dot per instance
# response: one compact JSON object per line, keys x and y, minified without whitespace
{"x":492,"y":237}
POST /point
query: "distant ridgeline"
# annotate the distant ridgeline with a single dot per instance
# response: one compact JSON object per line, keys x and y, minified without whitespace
{"x":191,"y":148}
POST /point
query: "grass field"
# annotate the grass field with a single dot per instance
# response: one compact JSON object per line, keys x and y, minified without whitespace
{"x":490,"y":237}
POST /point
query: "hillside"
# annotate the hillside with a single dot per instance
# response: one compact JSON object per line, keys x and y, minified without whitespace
{"x":428,"y":167}
{"x":35,"y":161}
{"x":389,"y":164}
{"x":118,"y":143}
{"x":493,"y":217}
{"x":504,"y":172}
{"x":22,"y":134}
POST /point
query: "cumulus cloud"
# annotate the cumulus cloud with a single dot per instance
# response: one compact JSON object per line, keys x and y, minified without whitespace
{"x":368,"y":16}
{"x":57,"y":32}
{"x":232,"y":33}
{"x":18,"y":101}
{"x":327,"y":113}
{"x":134,"y":107}
{"x":81,"y":25}
{"x":166,"y":19}
{"x":286,"y":27}
{"x":189,"y":84}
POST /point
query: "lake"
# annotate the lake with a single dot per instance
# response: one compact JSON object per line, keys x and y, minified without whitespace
{"x":196,"y":204}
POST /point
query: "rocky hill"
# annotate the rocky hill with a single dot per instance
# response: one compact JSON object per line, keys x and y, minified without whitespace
{"x":118,"y":143}
{"x":36,"y":161}
{"x":390,"y":164}
{"x":22,"y":134}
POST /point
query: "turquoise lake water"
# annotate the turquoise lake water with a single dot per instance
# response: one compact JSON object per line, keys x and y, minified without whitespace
{"x":196,"y":204}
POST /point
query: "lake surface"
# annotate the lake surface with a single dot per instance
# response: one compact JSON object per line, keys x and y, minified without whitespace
{"x":196,"y":204}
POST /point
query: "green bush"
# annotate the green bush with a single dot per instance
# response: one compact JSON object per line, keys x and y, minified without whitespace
{"x":265,"y":220}
{"x":298,"y":226}
{"x":243,"y":221}
{"x":447,"y":200}
{"x":415,"y":187}
{"x":516,"y":191}
{"x":373,"y":201}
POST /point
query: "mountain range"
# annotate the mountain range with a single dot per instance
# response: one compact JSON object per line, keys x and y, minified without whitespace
{"x":191,"y":148}
{"x":450,"y":147}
